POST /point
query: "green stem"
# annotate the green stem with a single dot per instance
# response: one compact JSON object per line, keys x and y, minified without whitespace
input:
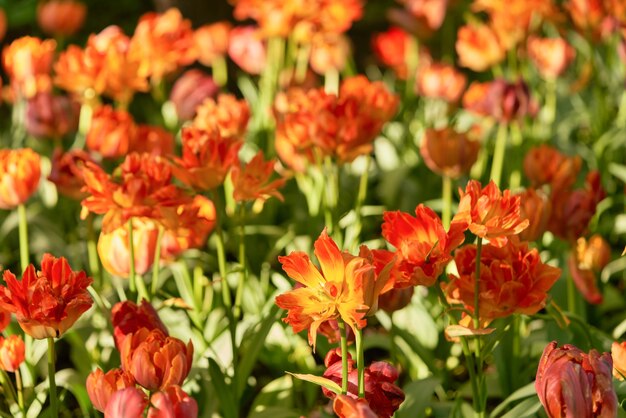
{"x":479,"y":248}
{"x":156,"y":266}
{"x":131,"y":248}
{"x":52,"y":378}
{"x":550,"y":102}
{"x":331,"y":188}
{"x":498,"y":153}
{"x":242,"y":262}
{"x":7,"y":385}
{"x":302,"y":62}
{"x":220,"y":71}
{"x":477,"y":347}
{"x":571,"y":296}
{"x":344,"y":356}
{"x":331,"y":81}
{"x":412,"y":62}
{"x":92,"y":253}
{"x":23,"y":233}
{"x":360,"y":362}
{"x":20,"y":390}
{"x":360,"y":199}
{"x":446,"y":210}
{"x":515,"y":178}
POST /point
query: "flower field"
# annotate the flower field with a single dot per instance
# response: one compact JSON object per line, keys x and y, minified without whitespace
{"x":313,"y":208}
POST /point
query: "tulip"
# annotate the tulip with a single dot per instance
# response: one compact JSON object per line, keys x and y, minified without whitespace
{"x":346,"y":287}
{"x":478,"y":47}
{"x":490,"y":213}
{"x":49,"y":116}
{"x":114,"y":248}
{"x":129,"y":402}
{"x":383,"y":396}
{"x":534,"y":206}
{"x":111,"y":132}
{"x":618,"y":354}
{"x":572,"y":383}
{"x":172,"y":402}
{"x":226,"y":114}
{"x":5,"y":319}
{"x":189,"y":91}
{"x":448,"y":153}
{"x":247,"y":50}
{"x":19,"y":176}
{"x":3,"y":24}
{"x":252,"y":182}
{"x":212,"y":42}
{"x":155,"y":360}
{"x":28,"y":63}
{"x":423,"y":245}
{"x":551,"y":56}
{"x":127,"y":318}
{"x":546,"y":165}
{"x":48,"y":302}
{"x":153,"y":140}
{"x":61,"y":18}
{"x":442,"y":81}
{"x":585,"y":262}
{"x":162,"y":43}
{"x":390,"y":49}
{"x":348,"y":407}
{"x":328,"y":53}
{"x":101,"y":386}
{"x":513,"y":279}
{"x":11,"y":353}
{"x":67,"y":172}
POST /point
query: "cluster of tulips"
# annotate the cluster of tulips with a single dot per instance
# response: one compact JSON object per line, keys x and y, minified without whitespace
{"x":175,"y":188}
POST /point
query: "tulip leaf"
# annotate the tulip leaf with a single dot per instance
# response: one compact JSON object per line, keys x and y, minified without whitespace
{"x":224,"y":393}
{"x":319,"y":380}
{"x":522,"y":393}
{"x":526,"y":408}
{"x":253,"y":348}
{"x":418,"y":397}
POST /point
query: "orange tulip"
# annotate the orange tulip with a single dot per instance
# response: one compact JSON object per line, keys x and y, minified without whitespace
{"x":155,"y":360}
{"x":114,"y":247}
{"x":111,"y":132}
{"x":432,"y":12}
{"x":500,"y":99}
{"x":534,"y":206}
{"x":19,"y":176}
{"x":423,"y":246}
{"x":28,"y":62}
{"x":207,"y":158}
{"x":11,"y":353}
{"x":588,"y":15}
{"x":390,"y":49}
{"x":346,"y":287}
{"x":163,"y":43}
{"x":127,"y":318}
{"x":104,"y":67}
{"x":226,"y":114}
{"x":572,"y":210}
{"x":442,"y":81}
{"x":172,"y":402}
{"x":513,"y":279}
{"x":329,"y":52}
{"x":572,"y":383}
{"x":212,"y":41}
{"x":347,"y":407}
{"x":61,"y":17}
{"x":191,"y":89}
{"x":551,"y":56}
{"x":491,"y":214}
{"x":67,"y":172}
{"x":153,"y":140}
{"x":252,"y":181}
{"x":5,"y":319}
{"x":588,"y":259}
{"x":194,"y":223}
{"x":48,"y":302}
{"x":546,"y":165}
{"x":618,"y":354}
{"x":127,"y":403}
{"x":145,"y":190}
{"x":101,"y":386}
{"x":478,"y":47}
{"x":247,"y":50}
{"x":447,"y":152}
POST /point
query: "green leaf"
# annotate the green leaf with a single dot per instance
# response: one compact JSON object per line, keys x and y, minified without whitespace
{"x":319,"y":380}
{"x":224,"y":392}
{"x":253,"y":348}
{"x":277,"y":392}
{"x":618,"y":170}
{"x":524,"y":409}
{"x":418,"y":397}
{"x":275,"y":412}
{"x":521,"y":393}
